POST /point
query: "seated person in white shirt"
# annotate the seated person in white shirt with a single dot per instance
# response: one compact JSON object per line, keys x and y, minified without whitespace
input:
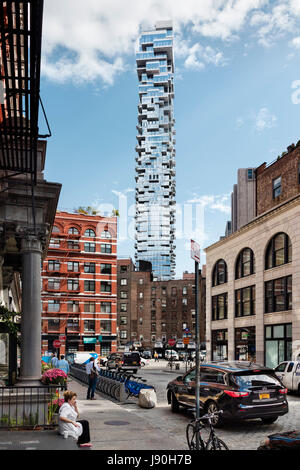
{"x":68,"y":424}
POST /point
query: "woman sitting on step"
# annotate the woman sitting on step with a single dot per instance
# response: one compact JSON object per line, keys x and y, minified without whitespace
{"x":68,"y":426}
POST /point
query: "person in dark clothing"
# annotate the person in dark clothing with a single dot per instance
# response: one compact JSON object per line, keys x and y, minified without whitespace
{"x":92,"y":369}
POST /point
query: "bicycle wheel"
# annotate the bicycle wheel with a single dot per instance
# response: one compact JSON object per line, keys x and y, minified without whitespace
{"x":191,"y":438}
{"x":216,"y":444}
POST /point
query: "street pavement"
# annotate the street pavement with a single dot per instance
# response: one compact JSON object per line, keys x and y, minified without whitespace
{"x":128,"y":427}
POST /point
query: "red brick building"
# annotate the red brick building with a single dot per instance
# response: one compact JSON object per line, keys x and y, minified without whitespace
{"x":79,"y":291}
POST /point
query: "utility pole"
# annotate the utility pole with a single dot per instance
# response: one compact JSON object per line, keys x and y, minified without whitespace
{"x":195,"y":254}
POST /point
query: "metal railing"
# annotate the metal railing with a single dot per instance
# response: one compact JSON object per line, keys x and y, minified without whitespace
{"x":30,"y":407}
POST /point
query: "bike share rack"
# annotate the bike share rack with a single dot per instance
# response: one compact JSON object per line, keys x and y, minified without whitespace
{"x":111,"y":383}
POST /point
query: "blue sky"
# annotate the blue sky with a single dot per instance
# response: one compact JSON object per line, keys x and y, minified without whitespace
{"x":237,"y":102}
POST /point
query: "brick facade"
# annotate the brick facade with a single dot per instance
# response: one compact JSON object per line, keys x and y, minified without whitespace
{"x":156,"y":310}
{"x":79,"y":276}
{"x":287,"y":167}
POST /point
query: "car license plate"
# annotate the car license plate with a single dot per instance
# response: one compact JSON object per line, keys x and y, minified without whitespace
{"x":262,"y":396}
{"x":134,"y":363}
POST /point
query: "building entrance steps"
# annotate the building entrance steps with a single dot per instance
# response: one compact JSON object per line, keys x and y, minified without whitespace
{"x":112,"y":427}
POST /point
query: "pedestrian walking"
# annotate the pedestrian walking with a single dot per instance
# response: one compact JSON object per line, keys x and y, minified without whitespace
{"x":62,"y":364}
{"x":54,"y":361}
{"x":92,"y":369}
{"x":156,"y":356}
{"x":68,"y":423}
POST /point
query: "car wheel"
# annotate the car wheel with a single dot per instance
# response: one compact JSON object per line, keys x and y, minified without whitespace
{"x":134,"y":371}
{"x":212,"y":407}
{"x":269,"y":420}
{"x":174,"y":403}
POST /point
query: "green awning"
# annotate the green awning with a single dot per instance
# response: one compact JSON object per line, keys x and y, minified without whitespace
{"x":89,"y":340}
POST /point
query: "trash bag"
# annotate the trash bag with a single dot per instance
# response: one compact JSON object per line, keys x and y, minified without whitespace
{"x":289,"y":440}
{"x":147,"y":398}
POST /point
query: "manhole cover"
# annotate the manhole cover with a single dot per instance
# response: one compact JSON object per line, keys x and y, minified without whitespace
{"x":116,"y":423}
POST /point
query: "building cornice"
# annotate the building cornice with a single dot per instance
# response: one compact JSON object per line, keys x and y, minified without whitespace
{"x":285,"y":206}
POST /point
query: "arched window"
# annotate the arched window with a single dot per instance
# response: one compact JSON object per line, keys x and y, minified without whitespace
{"x":279,"y":251}
{"x":245,"y":264}
{"x":219,"y":273}
{"x":55,"y":229}
{"x":73,"y":231}
{"x":105,"y":234}
{"x":89,"y":233}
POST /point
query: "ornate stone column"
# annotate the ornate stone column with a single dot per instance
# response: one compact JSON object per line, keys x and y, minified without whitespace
{"x":31,"y":249}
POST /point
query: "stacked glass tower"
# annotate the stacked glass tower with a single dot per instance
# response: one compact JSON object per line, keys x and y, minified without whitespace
{"x":155,"y":170}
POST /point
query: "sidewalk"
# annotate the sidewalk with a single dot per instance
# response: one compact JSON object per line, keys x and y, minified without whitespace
{"x":112,"y":427}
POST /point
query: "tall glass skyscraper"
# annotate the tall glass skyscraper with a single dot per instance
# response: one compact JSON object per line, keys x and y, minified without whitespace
{"x":155,"y":170}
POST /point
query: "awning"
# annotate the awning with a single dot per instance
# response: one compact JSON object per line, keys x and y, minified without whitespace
{"x":89,"y":340}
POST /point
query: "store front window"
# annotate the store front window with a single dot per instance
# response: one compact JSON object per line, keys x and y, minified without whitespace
{"x":219,"y":345}
{"x":278,"y":344}
{"x":245,"y":344}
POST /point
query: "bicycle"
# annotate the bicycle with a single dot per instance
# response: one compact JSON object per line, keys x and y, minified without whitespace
{"x":193,"y":434}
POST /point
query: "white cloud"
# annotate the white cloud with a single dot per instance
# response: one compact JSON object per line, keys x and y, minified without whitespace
{"x":295,"y":42}
{"x":264,"y":120}
{"x":94,"y":40}
{"x":212,"y":202}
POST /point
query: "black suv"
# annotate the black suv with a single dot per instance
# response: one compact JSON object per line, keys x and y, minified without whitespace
{"x":241,"y":389}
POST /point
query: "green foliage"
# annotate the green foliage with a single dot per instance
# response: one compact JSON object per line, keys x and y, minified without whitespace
{"x":87,"y":210}
{"x":7,"y":317}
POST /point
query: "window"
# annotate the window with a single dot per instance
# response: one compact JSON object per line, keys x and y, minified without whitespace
{"x":153,"y":315}
{"x":73,"y":306}
{"x":219,"y":307}
{"x":281,"y":367}
{"x":89,"y":233}
{"x":290,"y":367}
{"x":55,"y":229}
{"x":245,"y":301}
{"x":153,"y":327}
{"x":54,"y":243}
{"x":53,"y":265}
{"x":105,"y":307}
{"x":174,"y":291}
{"x":53,"y":325}
{"x":278,"y":295}
{"x":73,"y":266}
{"x":123,"y":307}
{"x":184,"y":290}
{"x":245,"y":264}
{"x":90,"y":268}
{"x":123,"y":294}
{"x":123,"y":282}
{"x":279,"y":251}
{"x":163,"y":303}
{"x":90,"y":247}
{"x":123,"y":320}
{"x":123,"y":334}
{"x":73,"y":231}
{"x":105,"y":326}
{"x":164,"y":290}
{"x":212,"y":376}
{"x":53,"y":284}
{"x":105,"y":286}
{"x":89,"y":325}
{"x":105,"y":234}
{"x":73,"y":284}
{"x":89,"y":286}
{"x":141,"y":281}
{"x":53,"y":305}
{"x":89,"y":307}
{"x":219,"y":273}
{"x":105,"y":248}
{"x":298,"y":173}
{"x":141,"y":320}
{"x":123,"y":269}
{"x":184,"y":301}
{"x":276,"y":187}
{"x":184,"y":326}
{"x":105,"y":269}
{"x":141,"y":295}
{"x":72,"y":325}
{"x":73,"y":245}
{"x":250,"y":174}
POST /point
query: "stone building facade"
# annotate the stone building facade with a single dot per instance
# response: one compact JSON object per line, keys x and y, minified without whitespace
{"x":253,"y":304}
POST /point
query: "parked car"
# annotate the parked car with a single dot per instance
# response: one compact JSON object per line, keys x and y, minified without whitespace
{"x":147,"y":354}
{"x":170,"y":353}
{"x":240,"y":390}
{"x":289,"y":374}
{"x":183,"y":355}
{"x":82,"y":357}
{"x":113,"y":360}
{"x":130,"y":361}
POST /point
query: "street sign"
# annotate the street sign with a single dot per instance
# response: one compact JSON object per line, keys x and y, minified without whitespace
{"x":172,"y":342}
{"x":195,"y":251}
{"x":62,"y":337}
{"x":56,"y":344}
{"x":186,"y":340}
